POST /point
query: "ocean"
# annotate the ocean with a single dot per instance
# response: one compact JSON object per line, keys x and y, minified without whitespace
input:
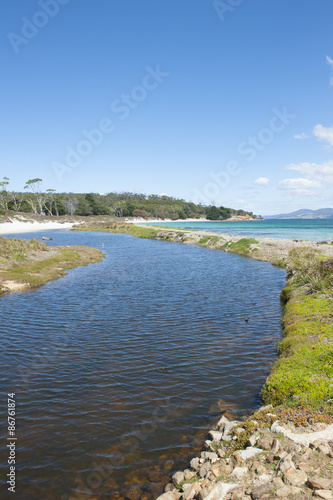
{"x":290,"y":229}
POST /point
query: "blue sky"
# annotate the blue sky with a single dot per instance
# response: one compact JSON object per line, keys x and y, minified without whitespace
{"x":220,"y":102}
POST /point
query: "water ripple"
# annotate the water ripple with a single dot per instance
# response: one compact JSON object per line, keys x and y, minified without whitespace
{"x":125,"y":362}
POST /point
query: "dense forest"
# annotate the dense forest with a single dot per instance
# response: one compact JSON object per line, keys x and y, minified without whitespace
{"x":47,"y":202}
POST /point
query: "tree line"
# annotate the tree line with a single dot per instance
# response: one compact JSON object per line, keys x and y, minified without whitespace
{"x":47,"y":202}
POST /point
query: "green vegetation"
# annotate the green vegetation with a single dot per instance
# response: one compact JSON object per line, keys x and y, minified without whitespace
{"x":209,"y":240}
{"x":109,"y":227}
{"x":36,"y":200}
{"x":310,"y":269}
{"x":303,"y":374}
{"x":28,"y":264}
{"x":242,"y":246}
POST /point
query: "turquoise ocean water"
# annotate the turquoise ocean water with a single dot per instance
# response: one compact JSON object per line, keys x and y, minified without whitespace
{"x":300,"y":229}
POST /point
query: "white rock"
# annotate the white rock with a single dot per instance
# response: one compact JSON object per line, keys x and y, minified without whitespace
{"x":170,"y":495}
{"x":326,"y":494}
{"x":192,"y":492}
{"x":220,"y":491}
{"x":195,"y":463}
{"x":304,"y":438}
{"x":222,"y":422}
{"x":228,"y":429}
{"x":263,"y":478}
{"x":178,"y":478}
{"x":209,"y":455}
{"x":215,"y":435}
{"x":249,"y":452}
{"x":268,"y":407}
{"x":239,"y":472}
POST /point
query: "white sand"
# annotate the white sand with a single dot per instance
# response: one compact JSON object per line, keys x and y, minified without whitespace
{"x":28,"y":227}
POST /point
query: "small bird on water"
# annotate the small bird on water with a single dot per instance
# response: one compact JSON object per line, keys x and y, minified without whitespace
{"x":246,"y":320}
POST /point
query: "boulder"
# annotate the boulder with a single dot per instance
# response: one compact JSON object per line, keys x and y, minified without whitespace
{"x":319,"y":483}
{"x":286,"y":464}
{"x":326,"y":494}
{"x":295,"y":477}
{"x":192,"y":492}
{"x":209,"y":445}
{"x":222,"y":423}
{"x":169,"y":487}
{"x":204,"y":469}
{"x":239,"y":472}
{"x":261,"y":490}
{"x":195,"y":463}
{"x":220,"y":490}
{"x":170,"y":495}
{"x":288,"y":491}
{"x":216,"y":436}
{"x":208,"y":455}
{"x":188,"y":475}
{"x":265,"y":443}
{"x":252,"y":440}
{"x":178,"y":478}
{"x":324,"y":448}
{"x":249,"y":452}
{"x":275,"y":446}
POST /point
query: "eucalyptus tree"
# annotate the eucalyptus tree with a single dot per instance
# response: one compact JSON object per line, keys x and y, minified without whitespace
{"x":4,"y":194}
{"x":36,"y":201}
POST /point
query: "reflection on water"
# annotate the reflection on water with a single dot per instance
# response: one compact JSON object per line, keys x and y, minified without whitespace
{"x":119,"y":367}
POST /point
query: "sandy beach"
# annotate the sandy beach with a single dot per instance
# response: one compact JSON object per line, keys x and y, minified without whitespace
{"x":22,"y":226}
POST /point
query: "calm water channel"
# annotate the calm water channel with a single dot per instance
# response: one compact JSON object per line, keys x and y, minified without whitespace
{"x":120,"y":368}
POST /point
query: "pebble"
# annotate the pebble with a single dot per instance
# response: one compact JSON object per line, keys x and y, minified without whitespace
{"x":254,"y":471}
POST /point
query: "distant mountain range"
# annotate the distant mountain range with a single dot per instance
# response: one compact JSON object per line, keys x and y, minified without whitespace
{"x":322,"y":213}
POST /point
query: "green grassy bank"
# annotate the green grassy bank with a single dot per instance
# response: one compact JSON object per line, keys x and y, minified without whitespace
{"x":303,"y":373}
{"x":29,"y":264}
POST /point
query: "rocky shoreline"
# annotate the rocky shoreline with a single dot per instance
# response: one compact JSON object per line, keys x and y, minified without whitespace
{"x":275,"y":462}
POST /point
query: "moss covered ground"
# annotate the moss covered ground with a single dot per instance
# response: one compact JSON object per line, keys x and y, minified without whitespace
{"x":303,"y":373}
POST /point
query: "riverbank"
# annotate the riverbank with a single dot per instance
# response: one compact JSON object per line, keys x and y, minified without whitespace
{"x":290,"y":459}
{"x":29,"y":264}
{"x":271,"y":250}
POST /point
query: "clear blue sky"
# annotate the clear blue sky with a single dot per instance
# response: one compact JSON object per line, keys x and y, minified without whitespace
{"x":225,"y":102}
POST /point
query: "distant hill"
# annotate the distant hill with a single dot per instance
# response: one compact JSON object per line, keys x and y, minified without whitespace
{"x":322,"y":213}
